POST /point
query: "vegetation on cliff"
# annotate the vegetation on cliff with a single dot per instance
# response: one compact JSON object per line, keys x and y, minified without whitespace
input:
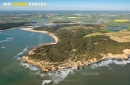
{"x":74,"y":46}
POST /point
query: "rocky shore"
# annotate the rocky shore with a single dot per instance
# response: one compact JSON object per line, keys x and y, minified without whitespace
{"x":50,"y":66}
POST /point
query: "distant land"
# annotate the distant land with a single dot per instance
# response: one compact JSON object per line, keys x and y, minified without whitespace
{"x":80,"y":38}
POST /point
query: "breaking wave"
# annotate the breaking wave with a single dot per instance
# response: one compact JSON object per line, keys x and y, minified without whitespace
{"x":7,"y":39}
{"x":3,"y":47}
{"x":20,"y":54}
{"x":46,"y":82}
{"x":109,"y":61}
{"x":32,"y":34}
{"x":55,"y":77}
{"x":10,"y":38}
{"x":29,"y":66}
{"x":58,"y":76}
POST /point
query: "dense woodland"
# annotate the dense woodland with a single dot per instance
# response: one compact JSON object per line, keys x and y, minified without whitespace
{"x":61,"y":21}
{"x":74,"y":46}
{"x":4,"y":26}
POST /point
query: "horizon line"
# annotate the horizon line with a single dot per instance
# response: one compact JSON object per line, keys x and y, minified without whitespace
{"x":64,"y":10}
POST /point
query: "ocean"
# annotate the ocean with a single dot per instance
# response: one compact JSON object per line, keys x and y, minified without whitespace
{"x":15,"y":43}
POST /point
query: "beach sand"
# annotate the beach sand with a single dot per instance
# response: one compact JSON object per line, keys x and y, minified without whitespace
{"x":51,"y":34}
{"x":1,"y":30}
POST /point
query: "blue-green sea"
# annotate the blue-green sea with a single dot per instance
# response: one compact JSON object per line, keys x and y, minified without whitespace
{"x":15,"y":43}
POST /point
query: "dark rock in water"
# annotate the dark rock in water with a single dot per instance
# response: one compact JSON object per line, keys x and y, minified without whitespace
{"x":78,"y":67}
{"x":45,"y":72}
{"x":49,"y":70}
{"x":128,"y":56}
{"x":126,"y":59}
{"x":24,"y":61}
{"x":56,"y":68}
{"x":83,"y":67}
{"x":58,"y":72}
{"x":41,"y":72}
{"x":89,"y":64}
{"x":98,"y":62}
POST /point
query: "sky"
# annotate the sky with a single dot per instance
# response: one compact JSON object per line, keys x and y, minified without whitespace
{"x":71,"y":5}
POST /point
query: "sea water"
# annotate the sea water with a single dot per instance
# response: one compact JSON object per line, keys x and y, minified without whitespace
{"x":15,"y":43}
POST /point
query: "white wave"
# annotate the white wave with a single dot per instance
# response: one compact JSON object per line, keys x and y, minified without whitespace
{"x":25,"y":50}
{"x":32,"y":68}
{"x":32,"y":34}
{"x":46,"y":82}
{"x":5,"y":40}
{"x":3,"y":47}
{"x":18,"y":58}
{"x":24,"y":64}
{"x":19,"y":54}
{"x":110,"y":61}
{"x":60,"y":75}
{"x":56,"y":76}
{"x":22,"y":52}
{"x":40,"y":36}
{"x":10,"y":38}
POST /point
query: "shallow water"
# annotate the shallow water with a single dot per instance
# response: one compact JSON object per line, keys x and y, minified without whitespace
{"x":117,"y":28}
{"x":15,"y":43}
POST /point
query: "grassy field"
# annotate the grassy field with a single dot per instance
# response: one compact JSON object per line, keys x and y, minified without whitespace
{"x":93,"y":34}
{"x":122,"y":36}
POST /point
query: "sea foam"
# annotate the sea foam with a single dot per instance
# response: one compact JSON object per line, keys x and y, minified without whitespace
{"x":32,"y":34}
{"x":110,"y":61}
{"x":46,"y":82}
{"x":7,"y":39}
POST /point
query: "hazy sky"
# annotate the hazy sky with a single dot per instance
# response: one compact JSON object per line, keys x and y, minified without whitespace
{"x":73,"y":5}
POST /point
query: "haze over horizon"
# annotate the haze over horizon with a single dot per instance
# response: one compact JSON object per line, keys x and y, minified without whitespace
{"x":71,"y":5}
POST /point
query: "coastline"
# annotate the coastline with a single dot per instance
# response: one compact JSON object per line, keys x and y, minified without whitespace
{"x":51,"y":34}
{"x":69,"y":64}
{"x":9,"y":29}
{"x":49,"y":66}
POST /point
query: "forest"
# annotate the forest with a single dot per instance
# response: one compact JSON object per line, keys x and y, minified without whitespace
{"x":73,"y":45}
{"x":61,"y":21}
{"x":4,"y":26}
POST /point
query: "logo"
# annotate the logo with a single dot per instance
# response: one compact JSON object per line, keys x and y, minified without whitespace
{"x":23,"y":4}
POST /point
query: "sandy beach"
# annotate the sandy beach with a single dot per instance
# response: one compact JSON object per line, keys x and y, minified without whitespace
{"x":51,"y":34}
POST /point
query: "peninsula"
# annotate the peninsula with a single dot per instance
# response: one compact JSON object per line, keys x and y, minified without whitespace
{"x":76,"y":45}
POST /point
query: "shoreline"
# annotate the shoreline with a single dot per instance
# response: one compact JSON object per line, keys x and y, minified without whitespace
{"x":1,"y":31}
{"x":70,"y":64}
{"x":46,"y":32}
{"x":49,"y":66}
{"x":9,"y":29}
